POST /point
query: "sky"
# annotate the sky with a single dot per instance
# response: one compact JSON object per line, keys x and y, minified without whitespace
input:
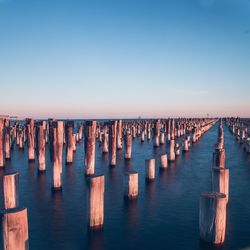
{"x":124,"y":58}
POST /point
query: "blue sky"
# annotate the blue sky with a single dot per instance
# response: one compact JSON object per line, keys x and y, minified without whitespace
{"x":124,"y":58}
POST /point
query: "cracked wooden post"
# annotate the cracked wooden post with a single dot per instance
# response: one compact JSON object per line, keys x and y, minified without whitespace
{"x":69,"y":141}
{"x":169,"y":129}
{"x":150,"y":169}
{"x":164,"y":161}
{"x":14,"y":224}
{"x":112,"y":142}
{"x":11,"y":190}
{"x":172,"y":150}
{"x":128,"y":145}
{"x":96,"y":202}
{"x":57,"y":152}
{"x":41,"y":147}
{"x":80,"y":128}
{"x":119,"y":135}
{"x":131,"y":185}
{"x":7,"y":139}
{"x":220,"y":181}
{"x":31,"y":139}
{"x":212,"y":218}
{"x":89,"y":145}
{"x":1,"y":144}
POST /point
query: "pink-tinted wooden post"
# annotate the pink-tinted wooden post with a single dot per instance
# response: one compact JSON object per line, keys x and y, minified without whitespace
{"x":212,"y":219}
{"x":1,"y":144}
{"x":105,"y":147}
{"x":57,"y":152}
{"x":172,"y":150}
{"x":41,"y":147}
{"x":128,"y":145}
{"x":131,"y":185}
{"x":96,"y":202}
{"x":89,"y":144}
{"x":112,"y":142}
{"x":150,"y":169}
{"x":14,"y":224}
{"x":11,"y":190}
{"x":220,"y":180}
{"x":69,"y":141}
{"x":164,"y":161}
{"x":119,"y":135}
{"x":7,"y":139}
{"x":31,"y":139}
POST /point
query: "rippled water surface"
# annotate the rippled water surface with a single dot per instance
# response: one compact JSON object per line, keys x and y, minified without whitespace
{"x":165,"y":216}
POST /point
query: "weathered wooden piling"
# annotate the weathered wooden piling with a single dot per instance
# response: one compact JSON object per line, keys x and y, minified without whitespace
{"x":11,"y":190}
{"x":220,"y":181}
{"x":150,"y":169}
{"x":96,"y":202}
{"x":212,"y":219}
{"x":157,"y":127}
{"x":119,"y":135}
{"x":69,"y":141}
{"x":7,"y":139}
{"x":31,"y":139}
{"x":105,"y":141}
{"x":14,"y":224}
{"x":148,"y":131}
{"x":162,"y":138}
{"x":186,"y":145}
{"x":89,"y":145}
{"x":112,"y":142}
{"x":131,"y":185}
{"x":172,"y":150}
{"x":57,"y":152}
{"x":128,"y":145}
{"x":1,"y":144}
{"x":164,"y":161}
{"x":41,"y":147}
{"x":219,"y":157}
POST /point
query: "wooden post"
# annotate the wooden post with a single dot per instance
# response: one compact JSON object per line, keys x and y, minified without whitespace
{"x":219,"y":157}
{"x":162,"y":138}
{"x":57,"y":152}
{"x":89,"y":144}
{"x":128,"y":144}
{"x":131,"y":185}
{"x":157,"y":128}
{"x":96,"y":202}
{"x":148,"y":131}
{"x":69,"y":141}
{"x":11,"y":190}
{"x":212,"y":219}
{"x":186,"y":145}
{"x":7,"y":139}
{"x":105,"y":148}
{"x":220,"y":180}
{"x":1,"y":144}
{"x":164,"y":161}
{"x":41,"y":147}
{"x":150,"y":169}
{"x":112,"y":141}
{"x":14,"y":224}
{"x":31,"y":139}
{"x":119,"y":135}
{"x":172,"y":150}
